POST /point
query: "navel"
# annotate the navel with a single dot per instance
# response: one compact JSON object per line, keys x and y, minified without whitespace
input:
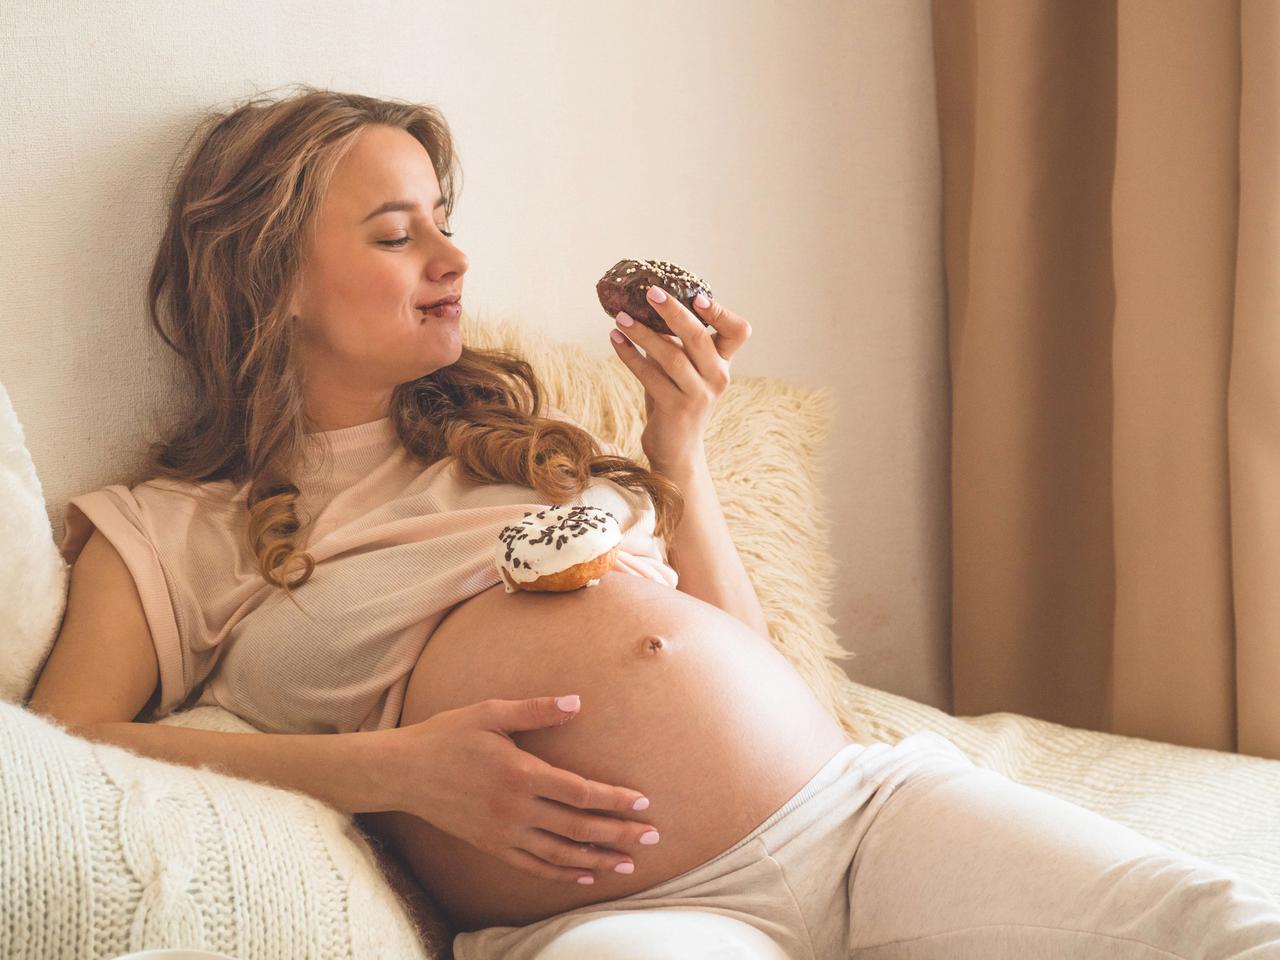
{"x":651,"y":645}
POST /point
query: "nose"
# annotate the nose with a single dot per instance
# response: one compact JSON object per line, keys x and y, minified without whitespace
{"x":450,"y":262}
{"x":461,"y":259}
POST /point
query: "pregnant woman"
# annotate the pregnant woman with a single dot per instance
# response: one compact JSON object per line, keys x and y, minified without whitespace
{"x":312,"y":550}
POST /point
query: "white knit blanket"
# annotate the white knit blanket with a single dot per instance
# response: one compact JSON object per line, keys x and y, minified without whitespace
{"x":103,"y":852}
{"x":1221,"y":807}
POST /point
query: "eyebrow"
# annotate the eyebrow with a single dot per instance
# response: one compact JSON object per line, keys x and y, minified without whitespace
{"x":392,"y":205}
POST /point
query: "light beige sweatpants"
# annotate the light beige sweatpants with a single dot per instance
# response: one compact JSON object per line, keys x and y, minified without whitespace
{"x":912,"y":852}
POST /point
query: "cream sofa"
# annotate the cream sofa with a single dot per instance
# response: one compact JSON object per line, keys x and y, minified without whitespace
{"x":107,"y":852}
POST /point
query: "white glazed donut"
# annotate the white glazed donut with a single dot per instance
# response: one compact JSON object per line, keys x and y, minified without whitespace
{"x":558,"y":549}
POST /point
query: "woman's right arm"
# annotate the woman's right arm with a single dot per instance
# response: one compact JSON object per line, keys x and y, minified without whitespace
{"x":348,"y":771}
{"x":103,"y":672}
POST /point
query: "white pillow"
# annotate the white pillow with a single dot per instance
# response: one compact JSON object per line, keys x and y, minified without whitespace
{"x":33,"y":575}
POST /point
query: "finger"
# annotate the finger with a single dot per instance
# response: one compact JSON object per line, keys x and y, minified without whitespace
{"x":616,"y":832}
{"x":696,"y":336}
{"x":668,"y":351}
{"x":583,"y":856}
{"x":575,"y":791}
{"x":541,"y":868}
{"x":732,"y":331}
{"x":647,"y":370}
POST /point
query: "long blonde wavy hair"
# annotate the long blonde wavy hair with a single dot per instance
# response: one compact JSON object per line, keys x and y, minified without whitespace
{"x":240,"y":210}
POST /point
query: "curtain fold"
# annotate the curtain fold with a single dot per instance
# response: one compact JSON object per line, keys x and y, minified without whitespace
{"x":1253,"y":402}
{"x":1110,"y":220}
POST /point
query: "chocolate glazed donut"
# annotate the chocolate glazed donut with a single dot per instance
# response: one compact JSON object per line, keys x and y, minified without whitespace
{"x":627,"y":283}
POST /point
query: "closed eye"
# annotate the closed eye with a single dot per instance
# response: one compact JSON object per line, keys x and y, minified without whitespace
{"x":401,"y":241}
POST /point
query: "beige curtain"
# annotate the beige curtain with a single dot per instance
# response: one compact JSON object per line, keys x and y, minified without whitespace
{"x":1112,"y":250}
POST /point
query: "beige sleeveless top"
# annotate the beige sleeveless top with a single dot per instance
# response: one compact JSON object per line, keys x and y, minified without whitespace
{"x":396,"y":547}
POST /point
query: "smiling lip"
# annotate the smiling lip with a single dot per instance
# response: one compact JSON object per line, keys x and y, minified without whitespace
{"x":454,"y":298}
{"x":448,"y":310}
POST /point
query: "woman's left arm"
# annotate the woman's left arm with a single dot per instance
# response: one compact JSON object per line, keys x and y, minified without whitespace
{"x":703,"y":554}
{"x":683,"y":378}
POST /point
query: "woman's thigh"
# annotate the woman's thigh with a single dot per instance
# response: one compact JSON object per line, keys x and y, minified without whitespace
{"x":966,"y":863}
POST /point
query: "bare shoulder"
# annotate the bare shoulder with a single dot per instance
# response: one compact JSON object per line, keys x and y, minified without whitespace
{"x":103,"y":667}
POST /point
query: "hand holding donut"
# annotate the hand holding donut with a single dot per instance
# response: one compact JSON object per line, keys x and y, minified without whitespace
{"x":683,"y":372}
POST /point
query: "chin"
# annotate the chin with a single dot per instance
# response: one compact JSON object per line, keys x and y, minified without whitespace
{"x":445,"y":357}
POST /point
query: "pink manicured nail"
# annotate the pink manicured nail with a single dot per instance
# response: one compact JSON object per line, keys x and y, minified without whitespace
{"x":657,"y":294}
{"x":650,"y":837}
{"x":641,"y":804}
{"x":701,"y":301}
{"x":586,"y":879}
{"x":624,"y":318}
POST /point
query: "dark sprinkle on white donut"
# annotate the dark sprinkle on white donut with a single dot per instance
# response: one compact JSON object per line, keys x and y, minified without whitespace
{"x":579,"y":520}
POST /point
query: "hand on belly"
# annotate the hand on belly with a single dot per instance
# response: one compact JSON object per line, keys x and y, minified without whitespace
{"x":461,"y":771}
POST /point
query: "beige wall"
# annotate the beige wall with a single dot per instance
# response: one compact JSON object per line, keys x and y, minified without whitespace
{"x":787,"y":152}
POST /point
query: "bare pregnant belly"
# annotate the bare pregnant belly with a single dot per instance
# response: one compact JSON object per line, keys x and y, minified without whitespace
{"x":713,"y":725}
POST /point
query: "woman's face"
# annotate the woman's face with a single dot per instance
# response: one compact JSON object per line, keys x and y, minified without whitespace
{"x":365,"y":277}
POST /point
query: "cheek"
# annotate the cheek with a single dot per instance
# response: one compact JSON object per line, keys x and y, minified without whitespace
{"x":361,"y":298}
{"x":372,"y":284}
